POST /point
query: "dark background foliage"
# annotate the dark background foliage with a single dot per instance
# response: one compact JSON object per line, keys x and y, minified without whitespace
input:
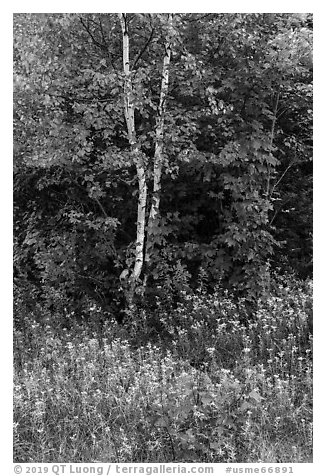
{"x":237,"y":186}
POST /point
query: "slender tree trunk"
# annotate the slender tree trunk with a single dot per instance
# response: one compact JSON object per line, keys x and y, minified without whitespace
{"x":138,"y":159}
{"x":159,"y":134}
{"x":272,"y":140}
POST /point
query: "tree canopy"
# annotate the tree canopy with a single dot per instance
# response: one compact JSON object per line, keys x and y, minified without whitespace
{"x":157,"y":152}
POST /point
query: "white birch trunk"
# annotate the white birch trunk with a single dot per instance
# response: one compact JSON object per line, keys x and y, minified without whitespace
{"x":159,"y":134}
{"x":129,"y":111}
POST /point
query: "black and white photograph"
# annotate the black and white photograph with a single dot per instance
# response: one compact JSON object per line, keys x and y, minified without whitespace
{"x":162,"y":238}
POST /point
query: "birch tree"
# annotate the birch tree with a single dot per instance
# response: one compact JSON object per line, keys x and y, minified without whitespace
{"x":145,"y":231}
{"x":138,"y":157}
{"x":159,"y":140}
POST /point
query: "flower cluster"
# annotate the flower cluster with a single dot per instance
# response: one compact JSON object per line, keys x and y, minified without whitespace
{"x":221,"y":389}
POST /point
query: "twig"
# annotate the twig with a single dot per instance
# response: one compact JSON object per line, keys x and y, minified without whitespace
{"x":101,"y":207}
{"x":272,"y":140}
{"x":278,"y":211}
{"x":95,"y":41}
{"x":140,"y":54}
{"x":281,"y":178}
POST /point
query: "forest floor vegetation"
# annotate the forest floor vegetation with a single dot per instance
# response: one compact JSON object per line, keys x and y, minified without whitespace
{"x":210,"y":386}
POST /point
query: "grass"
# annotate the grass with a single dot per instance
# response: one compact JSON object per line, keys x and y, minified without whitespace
{"x":212,"y":388}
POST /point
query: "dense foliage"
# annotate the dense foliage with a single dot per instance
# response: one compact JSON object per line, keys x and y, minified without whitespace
{"x":163,"y":237}
{"x":236,"y":190}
